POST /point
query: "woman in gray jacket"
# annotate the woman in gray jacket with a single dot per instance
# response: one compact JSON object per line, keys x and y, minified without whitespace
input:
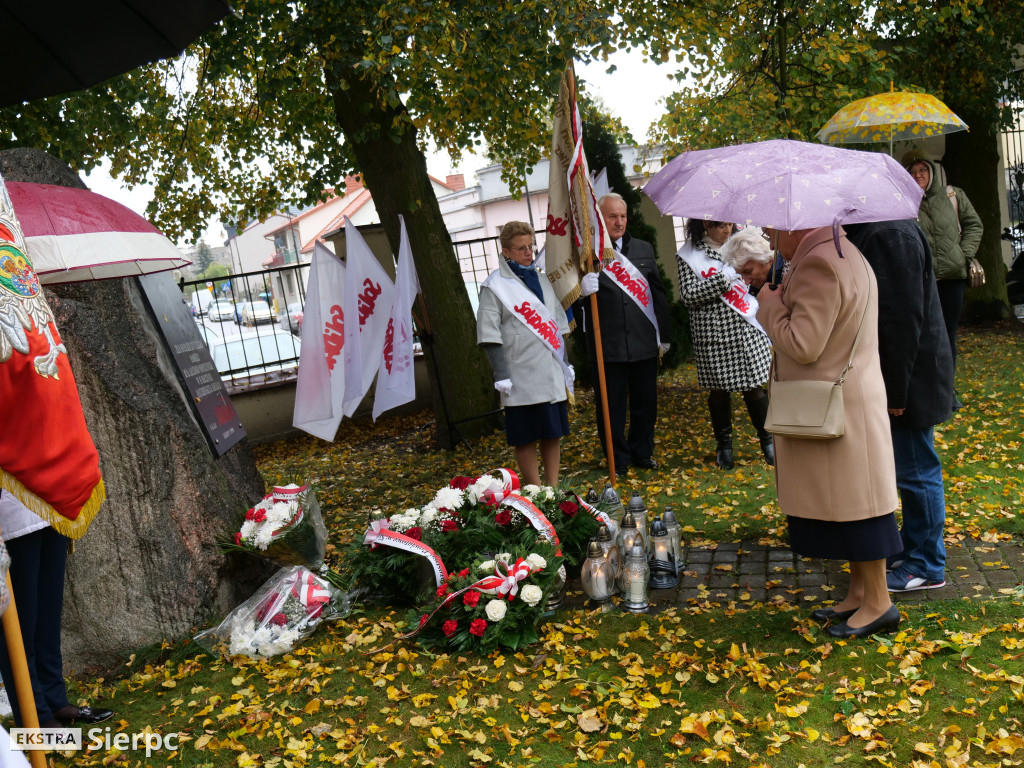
{"x":521,"y":325}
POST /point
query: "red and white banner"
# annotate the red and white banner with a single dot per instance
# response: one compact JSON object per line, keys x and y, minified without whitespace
{"x":396,"y":378}
{"x":531,"y":311}
{"x":737,"y":298}
{"x":632,"y":283}
{"x":320,"y":389}
{"x":369,"y":295}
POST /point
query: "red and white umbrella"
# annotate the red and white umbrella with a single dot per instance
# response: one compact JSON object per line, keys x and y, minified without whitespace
{"x":73,"y":235}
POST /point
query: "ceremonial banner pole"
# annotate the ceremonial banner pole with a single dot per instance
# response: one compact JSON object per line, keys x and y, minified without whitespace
{"x":588,"y":245}
{"x":19,"y":667}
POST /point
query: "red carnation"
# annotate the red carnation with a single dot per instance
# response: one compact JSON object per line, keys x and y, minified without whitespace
{"x":449,"y":627}
{"x":250,"y":514}
{"x":463,"y":573}
{"x":471,"y":598}
{"x":442,"y":590}
{"x":449,"y":525}
{"x":279,"y":619}
{"x":461,"y":483}
{"x":569,"y":508}
{"x":415,"y":533}
{"x":238,"y":538}
{"x":478,"y":627}
{"x":503,"y":518}
{"x":423,"y":619}
{"x":259,"y":516}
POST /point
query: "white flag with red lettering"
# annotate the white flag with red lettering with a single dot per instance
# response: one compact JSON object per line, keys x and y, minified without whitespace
{"x":320,"y":389}
{"x":369,"y":294}
{"x":396,"y":378}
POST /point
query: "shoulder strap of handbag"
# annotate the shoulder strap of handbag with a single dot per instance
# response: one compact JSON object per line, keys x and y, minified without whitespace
{"x":951,"y":194}
{"x":856,"y":341}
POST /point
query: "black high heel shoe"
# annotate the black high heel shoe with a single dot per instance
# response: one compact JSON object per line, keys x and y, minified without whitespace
{"x":887,"y":622}
{"x":829,"y":614}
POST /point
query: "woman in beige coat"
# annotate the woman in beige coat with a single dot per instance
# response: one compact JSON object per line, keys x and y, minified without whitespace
{"x":839,"y":495}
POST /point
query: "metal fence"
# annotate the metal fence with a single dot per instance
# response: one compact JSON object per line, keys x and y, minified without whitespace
{"x":1013,"y":158}
{"x":253,"y":352}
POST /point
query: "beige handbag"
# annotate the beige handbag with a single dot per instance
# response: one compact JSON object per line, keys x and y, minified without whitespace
{"x":811,"y":410}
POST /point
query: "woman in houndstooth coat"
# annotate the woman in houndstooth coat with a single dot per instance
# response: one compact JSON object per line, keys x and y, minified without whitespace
{"x":732,"y":354}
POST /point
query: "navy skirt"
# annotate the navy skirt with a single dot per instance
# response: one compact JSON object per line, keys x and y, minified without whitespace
{"x":525,"y":424}
{"x":857,"y":541}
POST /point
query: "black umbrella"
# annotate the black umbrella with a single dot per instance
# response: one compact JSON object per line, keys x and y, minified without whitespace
{"x":68,"y":45}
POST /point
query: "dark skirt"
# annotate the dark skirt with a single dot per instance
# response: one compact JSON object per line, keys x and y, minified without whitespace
{"x":857,"y":541}
{"x":525,"y":424}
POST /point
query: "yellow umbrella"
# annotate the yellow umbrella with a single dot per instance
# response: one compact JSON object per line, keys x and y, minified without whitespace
{"x":893,"y":116}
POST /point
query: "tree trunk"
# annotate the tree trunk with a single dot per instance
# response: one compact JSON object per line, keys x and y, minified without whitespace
{"x":972,"y":163}
{"x":149,"y":567}
{"x":395,"y":172}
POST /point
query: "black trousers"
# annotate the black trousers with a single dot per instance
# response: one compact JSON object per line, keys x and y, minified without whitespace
{"x":632,"y":390}
{"x":37,"y":576}
{"x":951,"y":299}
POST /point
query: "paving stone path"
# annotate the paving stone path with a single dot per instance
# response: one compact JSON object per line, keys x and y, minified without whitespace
{"x":746,"y":573}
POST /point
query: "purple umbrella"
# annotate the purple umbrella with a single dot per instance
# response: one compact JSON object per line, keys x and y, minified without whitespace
{"x":785,"y":185}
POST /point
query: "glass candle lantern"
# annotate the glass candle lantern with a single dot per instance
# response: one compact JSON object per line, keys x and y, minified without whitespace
{"x":592,"y":498}
{"x":636,"y":573}
{"x":610,"y":502}
{"x":675,"y":534}
{"x":629,"y":535}
{"x":638,"y":509}
{"x":611,"y":552}
{"x":597,"y":577}
{"x":663,"y":565}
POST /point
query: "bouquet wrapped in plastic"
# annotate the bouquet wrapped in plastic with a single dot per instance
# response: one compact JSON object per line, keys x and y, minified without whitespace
{"x":286,"y":527}
{"x":285,"y":611}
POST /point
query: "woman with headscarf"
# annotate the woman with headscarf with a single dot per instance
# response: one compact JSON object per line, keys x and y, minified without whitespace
{"x":732,"y":351}
{"x":838,"y":495}
{"x":521,"y":326}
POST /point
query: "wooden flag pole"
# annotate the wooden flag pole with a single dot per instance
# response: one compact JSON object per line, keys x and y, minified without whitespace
{"x":596,"y":326}
{"x":19,"y":667}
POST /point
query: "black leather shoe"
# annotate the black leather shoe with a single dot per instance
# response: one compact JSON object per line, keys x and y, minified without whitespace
{"x":828,"y":614}
{"x":768,"y":449}
{"x":646,"y":463}
{"x":86,"y":715}
{"x":887,"y":622}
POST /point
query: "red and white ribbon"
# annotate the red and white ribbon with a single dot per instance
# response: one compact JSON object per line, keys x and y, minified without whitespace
{"x":286,"y":493}
{"x":601,"y":516}
{"x":310,"y":590}
{"x":377,"y":535}
{"x":509,"y":483}
{"x":506,"y":578}
{"x":537,"y":518}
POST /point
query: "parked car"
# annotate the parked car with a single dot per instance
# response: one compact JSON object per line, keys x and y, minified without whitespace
{"x":256,"y":312}
{"x":255,"y":359}
{"x":221,"y":310}
{"x":291,"y":318}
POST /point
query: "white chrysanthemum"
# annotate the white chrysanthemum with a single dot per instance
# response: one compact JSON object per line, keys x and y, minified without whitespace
{"x":531,"y":594}
{"x":263,"y":537}
{"x":487,"y":566}
{"x":448,"y":498}
{"x":428,"y":517}
{"x":495,"y":610}
{"x":536,"y":562}
{"x":530,"y":491}
{"x":248,"y":529}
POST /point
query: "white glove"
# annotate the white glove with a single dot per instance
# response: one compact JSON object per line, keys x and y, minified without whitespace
{"x":589,"y":283}
{"x":504,"y":386}
{"x":572,"y":373}
{"x":664,"y":348}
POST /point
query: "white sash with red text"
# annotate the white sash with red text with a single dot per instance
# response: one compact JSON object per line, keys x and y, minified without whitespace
{"x":531,"y":311}
{"x":628,"y":278}
{"x":737,"y":298}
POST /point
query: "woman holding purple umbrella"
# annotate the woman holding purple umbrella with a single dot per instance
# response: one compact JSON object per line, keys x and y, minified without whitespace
{"x":838,"y":495}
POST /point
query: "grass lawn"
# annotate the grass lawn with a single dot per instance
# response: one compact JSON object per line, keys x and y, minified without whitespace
{"x":763,"y":686}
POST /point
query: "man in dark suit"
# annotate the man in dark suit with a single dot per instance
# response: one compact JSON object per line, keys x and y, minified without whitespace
{"x":917,"y":366}
{"x":630,"y":344}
